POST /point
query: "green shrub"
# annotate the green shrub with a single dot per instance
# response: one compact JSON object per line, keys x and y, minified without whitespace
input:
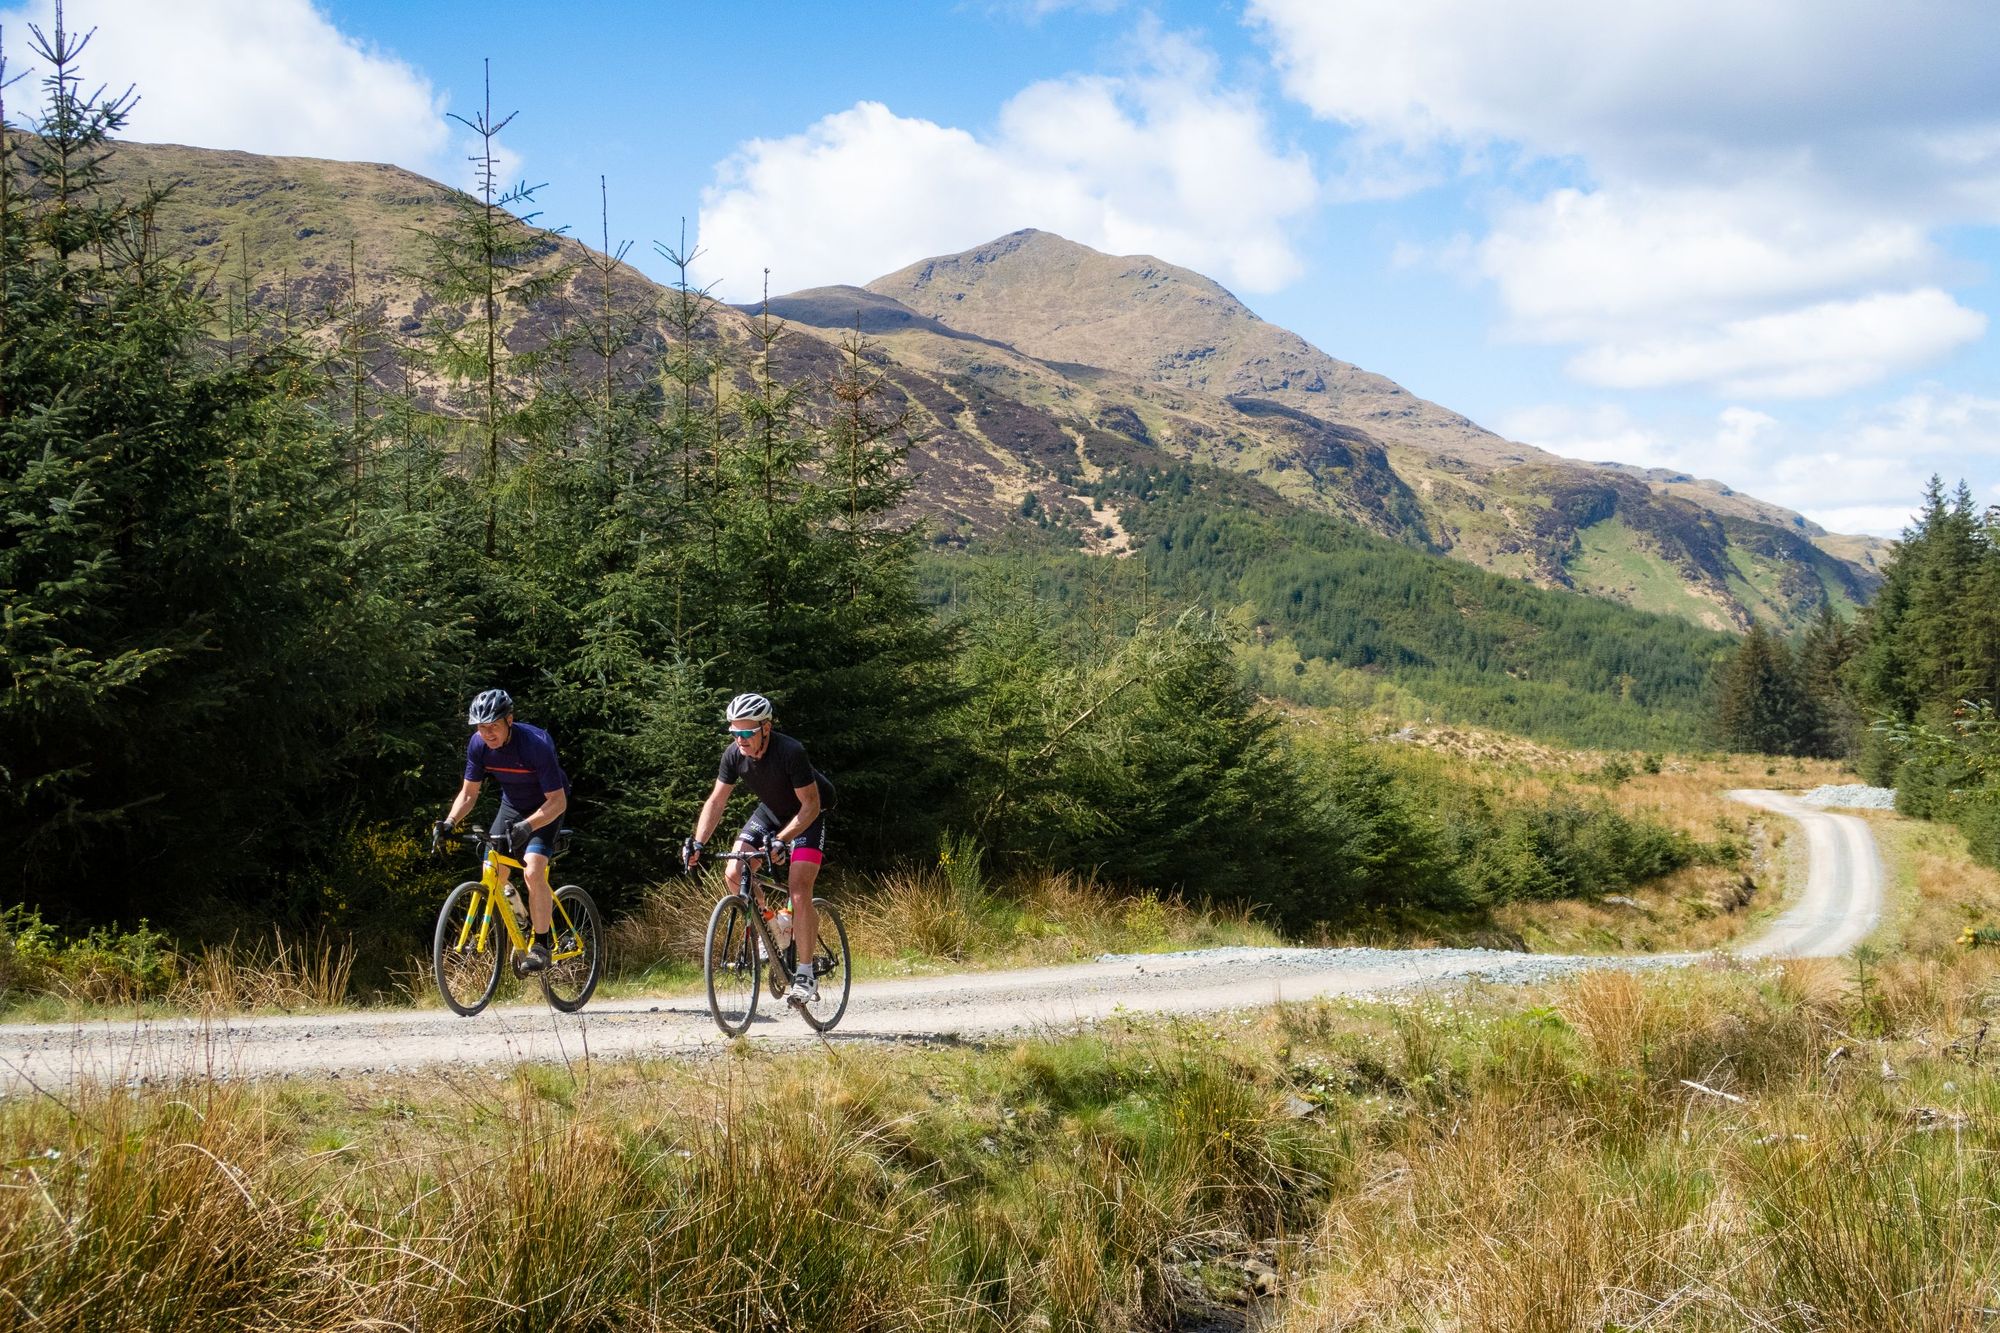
{"x":1566,"y":849}
{"x":106,"y":965}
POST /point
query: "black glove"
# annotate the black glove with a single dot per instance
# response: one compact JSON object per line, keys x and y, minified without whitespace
{"x":440,"y":833}
{"x":519,"y":835}
{"x":777,"y":851}
{"x":690,"y":852}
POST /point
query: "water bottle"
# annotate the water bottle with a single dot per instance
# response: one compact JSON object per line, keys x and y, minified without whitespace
{"x":781,"y":927}
{"x":514,"y":906}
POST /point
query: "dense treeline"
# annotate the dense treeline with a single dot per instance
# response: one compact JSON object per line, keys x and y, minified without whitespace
{"x":1927,"y":669}
{"x":253,"y":564}
{"x":252,"y":567}
{"x":1909,"y":691}
{"x":1343,"y":617}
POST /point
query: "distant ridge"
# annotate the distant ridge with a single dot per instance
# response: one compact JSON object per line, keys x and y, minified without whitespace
{"x":1031,"y":365}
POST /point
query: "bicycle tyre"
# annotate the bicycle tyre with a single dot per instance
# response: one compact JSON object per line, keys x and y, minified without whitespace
{"x":570,"y":982}
{"x":834,"y":967}
{"x":729,"y":965}
{"x":467,"y":978}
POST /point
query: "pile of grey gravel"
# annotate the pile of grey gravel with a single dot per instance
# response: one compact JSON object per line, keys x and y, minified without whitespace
{"x":1853,"y":796}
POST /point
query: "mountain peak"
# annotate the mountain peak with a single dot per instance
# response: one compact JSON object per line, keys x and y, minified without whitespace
{"x":1055,"y":299}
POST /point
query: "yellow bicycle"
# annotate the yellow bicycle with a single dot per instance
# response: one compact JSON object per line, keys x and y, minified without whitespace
{"x":481,"y":923}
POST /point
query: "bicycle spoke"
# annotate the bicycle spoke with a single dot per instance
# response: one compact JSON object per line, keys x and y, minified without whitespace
{"x":731,"y":966}
{"x":832,"y":967}
{"x":467,"y":949}
{"x":577,"y":961}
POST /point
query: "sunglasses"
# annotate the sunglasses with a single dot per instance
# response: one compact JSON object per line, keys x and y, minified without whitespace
{"x":744,"y":735}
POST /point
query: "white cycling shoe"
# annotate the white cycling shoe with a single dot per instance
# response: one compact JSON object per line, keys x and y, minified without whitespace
{"x":805,"y":987}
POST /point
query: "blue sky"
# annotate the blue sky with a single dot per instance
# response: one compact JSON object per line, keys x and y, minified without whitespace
{"x":1754,"y":242}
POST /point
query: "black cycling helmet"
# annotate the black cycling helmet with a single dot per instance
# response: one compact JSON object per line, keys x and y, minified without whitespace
{"x":489,"y":706}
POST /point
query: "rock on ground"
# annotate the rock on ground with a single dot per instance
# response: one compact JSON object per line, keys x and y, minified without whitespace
{"x":1852,"y":796}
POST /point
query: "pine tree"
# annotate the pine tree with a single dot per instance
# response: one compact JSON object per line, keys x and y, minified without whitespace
{"x":1760,"y":707}
{"x":194,"y":636}
{"x":485,"y":266}
{"x":1832,"y":724}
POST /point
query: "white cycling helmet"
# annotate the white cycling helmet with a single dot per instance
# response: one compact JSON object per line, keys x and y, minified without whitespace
{"x":749,"y":707}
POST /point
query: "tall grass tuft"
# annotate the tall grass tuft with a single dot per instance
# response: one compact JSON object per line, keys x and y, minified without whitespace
{"x":279,"y":973}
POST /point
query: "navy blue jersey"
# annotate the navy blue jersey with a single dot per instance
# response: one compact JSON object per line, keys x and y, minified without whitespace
{"x":526,"y":767}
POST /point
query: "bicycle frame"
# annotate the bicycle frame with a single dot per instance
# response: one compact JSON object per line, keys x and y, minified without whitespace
{"x":492,"y":877}
{"x":752,"y":888}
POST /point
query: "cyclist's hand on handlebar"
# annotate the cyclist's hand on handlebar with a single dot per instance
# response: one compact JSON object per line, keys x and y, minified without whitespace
{"x":518,"y":838}
{"x":777,"y":851}
{"x":690,"y":853}
{"x":440,"y":831}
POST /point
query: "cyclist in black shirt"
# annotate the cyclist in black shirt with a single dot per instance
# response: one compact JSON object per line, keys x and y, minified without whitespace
{"x":792,"y":800}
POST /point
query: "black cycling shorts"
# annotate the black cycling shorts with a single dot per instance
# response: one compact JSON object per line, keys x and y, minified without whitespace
{"x":810,"y":846}
{"x":544,"y":840}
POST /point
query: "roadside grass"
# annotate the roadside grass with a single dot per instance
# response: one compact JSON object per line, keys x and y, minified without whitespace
{"x":1805,"y":1145}
{"x":953,"y":915}
{"x":1936,"y":891}
{"x":1043,"y":1184}
{"x":1485,"y":1158}
{"x":918,"y":919}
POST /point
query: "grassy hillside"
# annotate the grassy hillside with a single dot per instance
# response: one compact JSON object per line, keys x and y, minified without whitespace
{"x":1016,"y":354}
{"x":1804,"y":1146}
{"x":1470,"y":645}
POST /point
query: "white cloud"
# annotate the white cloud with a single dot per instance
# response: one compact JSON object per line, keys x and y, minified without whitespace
{"x":1578,"y":264}
{"x":1864,"y":472}
{"x":1747,"y":183}
{"x":263,"y":76}
{"x":1937,"y":422}
{"x":1660,"y":87}
{"x":1811,"y":352}
{"x":1164,"y":161}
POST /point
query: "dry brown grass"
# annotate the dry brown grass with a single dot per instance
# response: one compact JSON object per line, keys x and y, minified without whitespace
{"x":669,"y":924}
{"x":928,"y":916}
{"x":1697,"y":907}
{"x":308,"y":973}
{"x":1043,"y":1186}
{"x":1573,"y":1179}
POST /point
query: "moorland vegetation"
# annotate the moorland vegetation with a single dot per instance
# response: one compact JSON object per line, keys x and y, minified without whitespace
{"x":254,"y":557}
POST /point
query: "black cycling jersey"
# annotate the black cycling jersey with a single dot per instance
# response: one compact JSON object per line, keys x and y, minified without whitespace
{"x":776,"y":775}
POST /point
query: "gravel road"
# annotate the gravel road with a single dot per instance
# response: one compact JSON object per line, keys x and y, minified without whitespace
{"x":1838,"y":907}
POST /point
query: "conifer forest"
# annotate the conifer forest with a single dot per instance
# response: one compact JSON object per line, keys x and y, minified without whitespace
{"x":254,"y":561}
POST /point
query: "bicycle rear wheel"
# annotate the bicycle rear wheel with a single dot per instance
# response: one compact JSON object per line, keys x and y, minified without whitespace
{"x":469,"y":949}
{"x":577,"y":961}
{"x":834,"y":968}
{"x":729,"y":963}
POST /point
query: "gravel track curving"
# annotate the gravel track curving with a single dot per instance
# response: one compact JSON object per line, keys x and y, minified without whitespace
{"x":1837,"y":908}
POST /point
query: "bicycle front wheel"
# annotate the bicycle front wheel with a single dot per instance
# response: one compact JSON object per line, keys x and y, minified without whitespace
{"x":832,"y":965}
{"x":577,"y":961}
{"x":729,"y":962}
{"x":469,"y":949}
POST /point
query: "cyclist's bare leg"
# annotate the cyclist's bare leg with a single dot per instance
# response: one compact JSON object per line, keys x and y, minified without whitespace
{"x":805,"y":918}
{"x":541,"y":903}
{"x":732,"y":871}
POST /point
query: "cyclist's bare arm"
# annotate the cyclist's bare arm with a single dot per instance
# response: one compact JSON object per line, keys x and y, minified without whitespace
{"x":711,"y":811}
{"x":461,"y":805}
{"x":551,"y":809}
{"x":808,"y":811}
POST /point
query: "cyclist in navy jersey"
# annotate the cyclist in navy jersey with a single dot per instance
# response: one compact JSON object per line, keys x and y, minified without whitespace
{"x":534,"y":794}
{"x":792,"y":800}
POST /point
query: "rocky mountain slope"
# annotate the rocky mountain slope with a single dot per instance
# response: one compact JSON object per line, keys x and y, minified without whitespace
{"x":1661,"y":541}
{"x":1031,"y":365}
